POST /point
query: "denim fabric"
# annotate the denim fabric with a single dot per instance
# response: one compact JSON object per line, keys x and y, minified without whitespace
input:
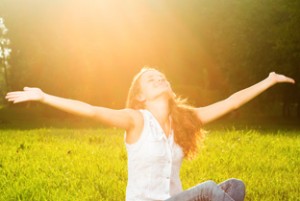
{"x":229,"y":190}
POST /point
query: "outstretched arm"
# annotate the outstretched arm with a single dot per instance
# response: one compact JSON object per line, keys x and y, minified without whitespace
{"x":216,"y":110}
{"x":120,"y":118}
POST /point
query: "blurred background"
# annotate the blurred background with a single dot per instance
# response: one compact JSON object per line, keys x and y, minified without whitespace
{"x":90,"y":50}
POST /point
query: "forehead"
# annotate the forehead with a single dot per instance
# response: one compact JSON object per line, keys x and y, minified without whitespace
{"x":151,"y":73}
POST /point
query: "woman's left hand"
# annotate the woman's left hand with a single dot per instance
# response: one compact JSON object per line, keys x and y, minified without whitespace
{"x":278,"y":78}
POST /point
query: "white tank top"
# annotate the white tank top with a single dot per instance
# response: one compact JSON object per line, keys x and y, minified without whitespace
{"x":153,"y":164}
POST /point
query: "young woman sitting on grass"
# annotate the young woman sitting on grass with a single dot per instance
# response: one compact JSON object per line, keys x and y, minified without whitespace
{"x":160,"y":131}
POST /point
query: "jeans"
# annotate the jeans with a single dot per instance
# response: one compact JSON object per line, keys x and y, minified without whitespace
{"x":229,"y":190}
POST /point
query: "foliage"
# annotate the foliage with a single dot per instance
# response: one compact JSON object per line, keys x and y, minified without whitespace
{"x":90,"y":164}
{"x":208,"y":49}
{"x":4,"y":55}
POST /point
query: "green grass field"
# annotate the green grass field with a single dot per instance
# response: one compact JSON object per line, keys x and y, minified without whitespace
{"x":90,"y":164}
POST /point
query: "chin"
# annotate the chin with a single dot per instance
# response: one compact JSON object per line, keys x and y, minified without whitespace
{"x":165,"y":92}
{"x":168,"y":94}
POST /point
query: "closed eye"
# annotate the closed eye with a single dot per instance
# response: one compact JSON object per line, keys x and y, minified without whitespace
{"x":152,"y":78}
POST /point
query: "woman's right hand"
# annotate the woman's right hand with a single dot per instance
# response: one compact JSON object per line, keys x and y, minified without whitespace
{"x":127,"y":119}
{"x":29,"y":94}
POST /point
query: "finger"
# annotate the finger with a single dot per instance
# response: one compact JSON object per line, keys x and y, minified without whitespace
{"x":14,"y":98}
{"x":14,"y":95}
{"x":27,"y":88}
{"x":19,"y":100}
{"x":287,"y":79}
{"x":10,"y":99}
{"x":15,"y":92}
{"x":291,"y":80}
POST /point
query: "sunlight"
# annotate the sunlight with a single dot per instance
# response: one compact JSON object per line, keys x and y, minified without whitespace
{"x":116,"y":38}
{"x":102,"y":45}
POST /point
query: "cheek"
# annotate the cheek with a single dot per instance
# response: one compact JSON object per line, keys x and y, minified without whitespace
{"x":149,"y":91}
{"x":145,"y":91}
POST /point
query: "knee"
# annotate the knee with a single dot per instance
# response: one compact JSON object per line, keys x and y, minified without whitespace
{"x":206,"y":189}
{"x":238,"y":185}
{"x":210,"y":183}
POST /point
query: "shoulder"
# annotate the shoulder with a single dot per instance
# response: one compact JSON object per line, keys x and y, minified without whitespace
{"x":134,"y":131}
{"x":136,"y":117}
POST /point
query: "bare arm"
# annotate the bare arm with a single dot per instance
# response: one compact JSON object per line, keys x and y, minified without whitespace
{"x":218,"y":109}
{"x":124,"y":118}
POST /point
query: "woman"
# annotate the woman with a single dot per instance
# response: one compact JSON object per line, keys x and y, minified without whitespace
{"x":160,"y":131}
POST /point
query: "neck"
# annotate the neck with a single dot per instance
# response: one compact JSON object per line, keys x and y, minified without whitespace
{"x":160,"y":107}
{"x":161,"y":111}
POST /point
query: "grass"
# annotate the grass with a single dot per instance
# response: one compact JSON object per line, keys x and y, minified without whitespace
{"x":90,"y":164}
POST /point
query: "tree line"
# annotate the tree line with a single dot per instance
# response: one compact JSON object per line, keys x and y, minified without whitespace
{"x":208,"y":49}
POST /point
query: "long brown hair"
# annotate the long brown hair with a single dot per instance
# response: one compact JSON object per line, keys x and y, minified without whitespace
{"x":186,"y":125}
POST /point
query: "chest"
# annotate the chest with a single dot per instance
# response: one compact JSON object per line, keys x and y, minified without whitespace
{"x":158,"y":146}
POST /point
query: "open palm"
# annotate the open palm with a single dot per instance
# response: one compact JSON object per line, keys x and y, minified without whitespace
{"x":29,"y":94}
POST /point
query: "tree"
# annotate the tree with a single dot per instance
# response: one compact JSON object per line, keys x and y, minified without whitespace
{"x":4,"y":55}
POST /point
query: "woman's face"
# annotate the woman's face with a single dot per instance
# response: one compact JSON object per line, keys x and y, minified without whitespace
{"x":154,"y":84}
